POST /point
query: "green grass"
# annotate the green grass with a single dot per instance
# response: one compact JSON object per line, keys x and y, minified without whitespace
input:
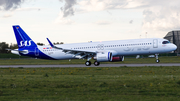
{"x":10,"y":55}
{"x":90,"y":84}
{"x":32,"y":61}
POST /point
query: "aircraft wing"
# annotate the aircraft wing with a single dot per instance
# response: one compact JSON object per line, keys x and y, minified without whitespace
{"x":82,"y":54}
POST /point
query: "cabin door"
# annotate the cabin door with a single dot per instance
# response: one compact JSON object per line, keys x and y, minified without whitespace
{"x":36,"y":51}
{"x":155,"y":43}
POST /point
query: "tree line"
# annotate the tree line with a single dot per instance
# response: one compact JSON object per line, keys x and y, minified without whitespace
{"x":4,"y":46}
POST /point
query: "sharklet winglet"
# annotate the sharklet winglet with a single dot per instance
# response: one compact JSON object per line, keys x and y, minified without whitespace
{"x":53,"y":45}
{"x":50,"y":42}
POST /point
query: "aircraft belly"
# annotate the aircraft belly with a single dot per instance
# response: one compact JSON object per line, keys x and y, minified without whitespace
{"x":60,"y":55}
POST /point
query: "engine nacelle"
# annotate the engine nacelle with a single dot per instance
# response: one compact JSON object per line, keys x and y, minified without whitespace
{"x":117,"y":58}
{"x":108,"y":56}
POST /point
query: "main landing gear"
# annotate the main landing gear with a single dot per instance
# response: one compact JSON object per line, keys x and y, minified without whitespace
{"x":157,"y":60}
{"x":88,"y":63}
{"x":96,"y":63}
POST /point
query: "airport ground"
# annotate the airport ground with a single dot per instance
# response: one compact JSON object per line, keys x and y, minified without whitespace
{"x":90,"y":83}
{"x":128,"y":60}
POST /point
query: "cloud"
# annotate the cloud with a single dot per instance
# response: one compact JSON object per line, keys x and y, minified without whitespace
{"x":131,"y":21}
{"x":99,"y":5}
{"x":68,"y":9}
{"x":62,"y":20}
{"x":109,"y":12}
{"x":162,"y":16}
{"x":7,"y":15}
{"x":157,"y":15}
{"x":28,"y":9}
{"x":11,"y":13}
{"x":102,"y":22}
{"x":10,"y":4}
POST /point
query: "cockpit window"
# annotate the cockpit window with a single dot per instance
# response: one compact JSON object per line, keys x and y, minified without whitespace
{"x":165,"y":42}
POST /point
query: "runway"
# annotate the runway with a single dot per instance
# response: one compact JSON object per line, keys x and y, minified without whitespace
{"x":82,"y":65}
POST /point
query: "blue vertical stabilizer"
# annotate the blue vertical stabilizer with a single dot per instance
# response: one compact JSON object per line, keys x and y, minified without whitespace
{"x":23,"y":40}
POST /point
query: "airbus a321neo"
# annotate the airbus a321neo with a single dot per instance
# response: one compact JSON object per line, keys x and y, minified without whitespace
{"x":107,"y":51}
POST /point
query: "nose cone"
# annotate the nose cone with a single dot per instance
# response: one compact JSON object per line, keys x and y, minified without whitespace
{"x":173,"y":47}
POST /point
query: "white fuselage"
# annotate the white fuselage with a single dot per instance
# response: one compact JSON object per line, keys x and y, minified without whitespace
{"x":121,"y":47}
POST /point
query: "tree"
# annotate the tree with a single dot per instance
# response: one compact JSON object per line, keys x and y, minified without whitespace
{"x":41,"y":44}
{"x":13,"y":46}
{"x":3,"y":47}
{"x":57,"y":43}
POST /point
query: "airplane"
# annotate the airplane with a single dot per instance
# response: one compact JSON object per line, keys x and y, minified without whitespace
{"x":106,"y":51}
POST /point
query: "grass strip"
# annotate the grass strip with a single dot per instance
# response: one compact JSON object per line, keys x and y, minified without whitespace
{"x":89,"y":84}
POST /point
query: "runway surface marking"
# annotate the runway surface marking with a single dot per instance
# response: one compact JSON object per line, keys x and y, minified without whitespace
{"x":82,"y":65}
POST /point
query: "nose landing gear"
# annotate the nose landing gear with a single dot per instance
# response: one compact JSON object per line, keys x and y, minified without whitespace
{"x":157,"y":60}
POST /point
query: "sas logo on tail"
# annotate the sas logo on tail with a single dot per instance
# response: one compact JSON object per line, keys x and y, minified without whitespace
{"x":25,"y":43}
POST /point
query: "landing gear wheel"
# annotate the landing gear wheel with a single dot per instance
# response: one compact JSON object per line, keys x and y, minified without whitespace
{"x":96,"y":63}
{"x":157,"y":61}
{"x":88,"y":63}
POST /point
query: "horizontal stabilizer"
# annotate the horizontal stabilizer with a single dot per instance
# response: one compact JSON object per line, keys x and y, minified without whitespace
{"x":17,"y":50}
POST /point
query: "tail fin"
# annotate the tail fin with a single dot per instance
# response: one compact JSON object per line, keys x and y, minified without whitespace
{"x":23,"y":40}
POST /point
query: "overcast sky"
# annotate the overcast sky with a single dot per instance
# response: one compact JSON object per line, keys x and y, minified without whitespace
{"x":73,"y":21}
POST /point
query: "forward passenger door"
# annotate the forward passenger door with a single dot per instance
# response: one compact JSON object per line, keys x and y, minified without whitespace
{"x":155,"y":43}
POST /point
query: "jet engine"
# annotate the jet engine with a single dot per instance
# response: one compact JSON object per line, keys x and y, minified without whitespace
{"x":108,"y":57}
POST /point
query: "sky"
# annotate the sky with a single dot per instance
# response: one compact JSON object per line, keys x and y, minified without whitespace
{"x":74,"y":21}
